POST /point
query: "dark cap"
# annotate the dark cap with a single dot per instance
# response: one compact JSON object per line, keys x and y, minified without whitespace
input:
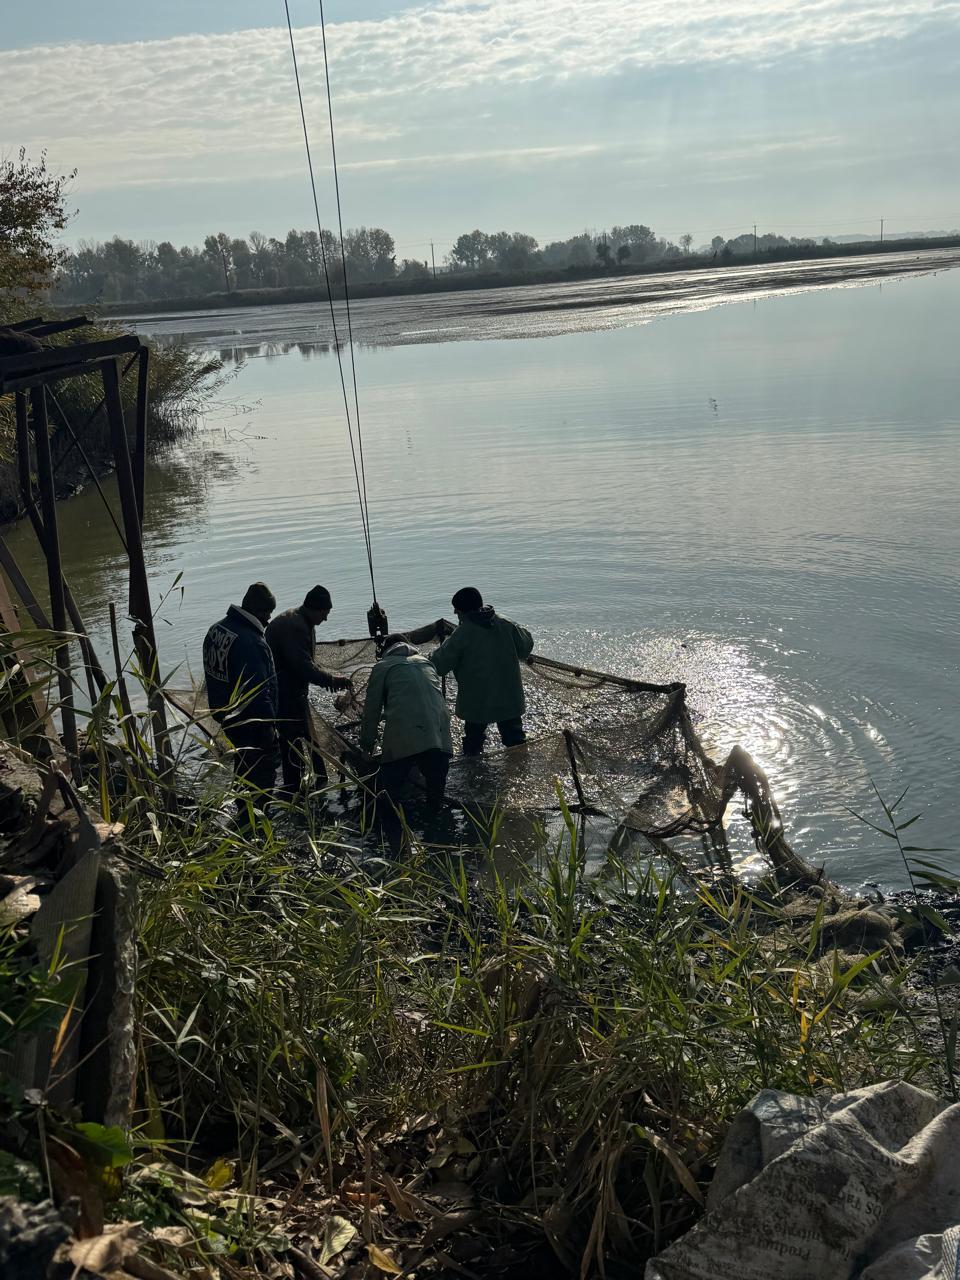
{"x":317,"y":598}
{"x":258,"y":598}
{"x":467,"y":600}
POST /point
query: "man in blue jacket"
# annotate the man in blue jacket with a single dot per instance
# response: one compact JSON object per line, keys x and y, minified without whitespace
{"x":484,"y":654}
{"x":242,"y":687}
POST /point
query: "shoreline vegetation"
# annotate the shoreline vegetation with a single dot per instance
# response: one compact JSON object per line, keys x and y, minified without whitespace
{"x":348,"y":1066}
{"x":466,"y":280}
{"x":33,"y":214}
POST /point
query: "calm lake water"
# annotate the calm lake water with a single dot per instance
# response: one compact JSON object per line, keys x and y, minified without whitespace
{"x":758,"y":498}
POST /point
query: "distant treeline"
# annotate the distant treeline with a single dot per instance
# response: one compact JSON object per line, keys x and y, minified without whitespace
{"x":120,"y":270}
{"x":121,"y":275}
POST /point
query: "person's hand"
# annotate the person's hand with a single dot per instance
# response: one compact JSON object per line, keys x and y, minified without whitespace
{"x":342,"y":682}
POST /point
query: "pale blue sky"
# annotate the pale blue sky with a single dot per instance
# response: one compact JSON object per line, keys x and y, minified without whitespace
{"x":548,"y":116}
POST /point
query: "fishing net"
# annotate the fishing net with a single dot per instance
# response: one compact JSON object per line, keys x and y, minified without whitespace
{"x":612,"y":746}
{"x":620,"y":753}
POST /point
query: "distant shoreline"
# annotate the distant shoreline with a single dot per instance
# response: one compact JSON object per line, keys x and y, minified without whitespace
{"x":454,"y":282}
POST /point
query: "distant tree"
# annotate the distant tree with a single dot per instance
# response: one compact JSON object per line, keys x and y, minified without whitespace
{"x":642,"y":241}
{"x":717,"y":243}
{"x":370,"y":254}
{"x":578,"y":251}
{"x":604,"y":252}
{"x":166,"y":268}
{"x":470,"y":252}
{"x":263,"y":266}
{"x":32,"y":212}
{"x":217,"y":250}
{"x":623,"y":253}
{"x":242,"y":259}
{"x":686,"y":240}
{"x":511,"y":251}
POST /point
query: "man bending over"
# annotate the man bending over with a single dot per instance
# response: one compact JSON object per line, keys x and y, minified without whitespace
{"x":404,"y":689}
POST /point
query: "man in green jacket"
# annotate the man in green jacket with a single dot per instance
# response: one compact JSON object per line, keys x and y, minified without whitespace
{"x":404,"y":689}
{"x":484,"y":654}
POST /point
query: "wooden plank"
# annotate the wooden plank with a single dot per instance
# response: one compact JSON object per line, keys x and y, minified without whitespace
{"x":38,"y":327}
{"x":11,"y":366}
{"x":24,"y":381}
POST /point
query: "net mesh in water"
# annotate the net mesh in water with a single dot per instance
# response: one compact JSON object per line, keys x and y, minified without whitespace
{"x":616,"y":747}
{"x":618,"y":750}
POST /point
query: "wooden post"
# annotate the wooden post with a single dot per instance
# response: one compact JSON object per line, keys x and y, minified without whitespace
{"x":144,"y":637}
{"x":140,"y":447}
{"x":51,"y":546}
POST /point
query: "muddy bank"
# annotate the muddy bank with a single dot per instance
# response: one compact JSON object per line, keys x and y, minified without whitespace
{"x":524,"y":311}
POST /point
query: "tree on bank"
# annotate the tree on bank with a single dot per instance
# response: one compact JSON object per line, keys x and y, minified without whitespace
{"x":32,"y":214}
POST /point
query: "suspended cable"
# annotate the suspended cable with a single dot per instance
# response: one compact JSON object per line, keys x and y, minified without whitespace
{"x":343,"y":263}
{"x":357,"y":469}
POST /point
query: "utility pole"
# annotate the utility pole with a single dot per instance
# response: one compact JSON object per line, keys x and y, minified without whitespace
{"x":881,"y":230}
{"x":433,"y":259}
{"x":754,"y":239}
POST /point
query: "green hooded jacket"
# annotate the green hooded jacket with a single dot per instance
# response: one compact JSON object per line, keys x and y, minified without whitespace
{"x":405,"y":689}
{"x":484,"y":654}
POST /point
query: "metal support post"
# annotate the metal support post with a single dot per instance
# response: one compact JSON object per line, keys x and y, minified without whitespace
{"x":140,"y":446}
{"x":95,"y":672}
{"x":51,"y":546}
{"x":144,"y":637}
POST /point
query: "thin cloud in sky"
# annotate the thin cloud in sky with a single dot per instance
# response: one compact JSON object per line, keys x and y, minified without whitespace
{"x":413,"y":89}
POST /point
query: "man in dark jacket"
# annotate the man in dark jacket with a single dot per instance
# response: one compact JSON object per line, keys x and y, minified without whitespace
{"x":484,"y":654}
{"x":242,"y":686}
{"x":292,"y":638}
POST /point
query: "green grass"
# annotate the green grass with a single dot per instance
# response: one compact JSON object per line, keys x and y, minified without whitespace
{"x":587,"y":1043}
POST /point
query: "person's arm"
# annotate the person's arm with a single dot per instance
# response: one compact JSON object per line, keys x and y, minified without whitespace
{"x":445,"y":658}
{"x":299,"y":657}
{"x":372,"y":707}
{"x":262,"y":703}
{"x":522,"y":641}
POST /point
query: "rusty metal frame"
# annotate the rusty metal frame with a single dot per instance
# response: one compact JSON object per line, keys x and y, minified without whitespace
{"x":28,"y":375}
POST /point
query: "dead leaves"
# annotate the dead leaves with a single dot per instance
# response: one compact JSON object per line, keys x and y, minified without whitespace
{"x":337,"y":1234}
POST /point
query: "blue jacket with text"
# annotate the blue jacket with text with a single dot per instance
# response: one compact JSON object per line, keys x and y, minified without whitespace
{"x":240,"y":676}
